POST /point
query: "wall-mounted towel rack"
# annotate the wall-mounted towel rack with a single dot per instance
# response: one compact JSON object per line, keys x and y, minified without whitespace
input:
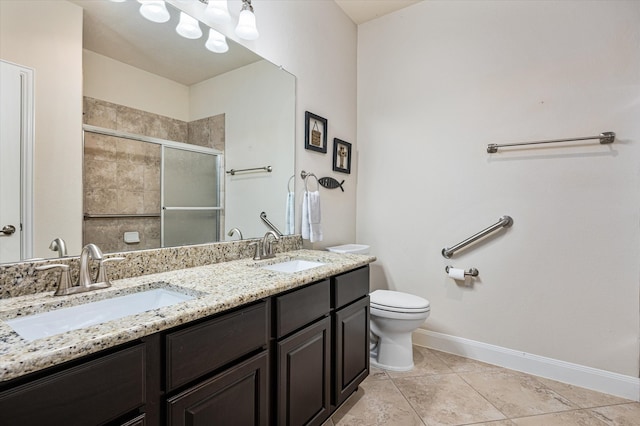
{"x":604,"y":138}
{"x":503,"y":222}
{"x":268,"y":169}
{"x":120,"y":216}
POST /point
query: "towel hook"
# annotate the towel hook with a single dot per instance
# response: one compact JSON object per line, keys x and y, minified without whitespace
{"x":289,"y":183}
{"x":305,"y":176}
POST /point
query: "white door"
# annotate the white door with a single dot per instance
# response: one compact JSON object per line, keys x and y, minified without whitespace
{"x":16,"y":124}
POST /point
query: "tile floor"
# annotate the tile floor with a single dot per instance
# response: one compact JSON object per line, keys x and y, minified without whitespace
{"x":445,"y":389}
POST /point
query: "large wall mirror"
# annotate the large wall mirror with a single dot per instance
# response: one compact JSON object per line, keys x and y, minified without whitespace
{"x":137,"y":128}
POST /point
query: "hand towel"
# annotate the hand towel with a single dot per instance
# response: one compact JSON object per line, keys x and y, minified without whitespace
{"x":290,"y":227}
{"x":315,"y":227}
{"x":306,"y":229}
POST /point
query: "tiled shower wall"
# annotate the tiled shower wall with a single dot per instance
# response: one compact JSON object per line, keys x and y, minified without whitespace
{"x":122,"y":176}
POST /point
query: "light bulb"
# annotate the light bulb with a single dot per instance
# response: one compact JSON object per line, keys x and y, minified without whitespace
{"x":246,"y":28}
{"x":218,"y":11}
{"x":188,"y":27}
{"x":154,"y":10}
{"x":216,"y":42}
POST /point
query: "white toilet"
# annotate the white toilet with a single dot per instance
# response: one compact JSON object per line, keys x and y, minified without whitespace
{"x":394,"y":316}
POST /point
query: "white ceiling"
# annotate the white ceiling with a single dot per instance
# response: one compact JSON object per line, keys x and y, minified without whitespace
{"x":365,"y":10}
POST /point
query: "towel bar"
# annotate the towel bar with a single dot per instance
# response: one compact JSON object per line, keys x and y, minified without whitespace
{"x":604,"y":138}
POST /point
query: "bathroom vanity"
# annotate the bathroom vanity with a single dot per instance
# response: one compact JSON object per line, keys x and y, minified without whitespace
{"x":260,"y":347}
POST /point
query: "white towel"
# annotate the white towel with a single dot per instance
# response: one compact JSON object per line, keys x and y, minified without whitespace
{"x":306,"y":229}
{"x":315,"y":228}
{"x":290,"y":227}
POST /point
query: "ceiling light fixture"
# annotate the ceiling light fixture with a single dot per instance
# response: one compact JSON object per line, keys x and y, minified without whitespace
{"x":154,"y":10}
{"x":218,"y":11}
{"x":188,"y":27}
{"x":216,"y":42}
{"x":246,"y":28}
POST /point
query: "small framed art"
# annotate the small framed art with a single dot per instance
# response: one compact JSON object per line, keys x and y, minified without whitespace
{"x":315,"y":132}
{"x":341,"y":156}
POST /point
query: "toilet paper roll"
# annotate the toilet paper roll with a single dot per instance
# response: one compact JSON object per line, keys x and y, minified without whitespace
{"x":456,"y":273}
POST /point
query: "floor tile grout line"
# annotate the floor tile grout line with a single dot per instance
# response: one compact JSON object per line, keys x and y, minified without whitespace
{"x":408,"y":402}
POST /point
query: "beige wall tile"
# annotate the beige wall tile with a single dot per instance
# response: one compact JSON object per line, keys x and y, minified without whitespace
{"x":130,"y":202}
{"x":130,"y":176}
{"x":100,"y":201}
{"x":100,"y":174}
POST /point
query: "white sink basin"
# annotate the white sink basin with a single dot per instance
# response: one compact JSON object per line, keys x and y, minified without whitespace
{"x":293,"y":266}
{"x":50,"y":323}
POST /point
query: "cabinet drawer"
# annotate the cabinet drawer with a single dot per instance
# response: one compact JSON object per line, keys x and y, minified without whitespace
{"x":237,"y":396}
{"x":349,"y":286}
{"x":301,"y":307}
{"x":205,"y":347}
{"x":88,"y":394}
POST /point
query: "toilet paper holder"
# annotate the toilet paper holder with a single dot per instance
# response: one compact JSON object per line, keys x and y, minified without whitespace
{"x":471,"y":272}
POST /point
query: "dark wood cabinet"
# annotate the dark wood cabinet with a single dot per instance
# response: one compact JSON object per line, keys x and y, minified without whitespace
{"x":350,"y":349}
{"x":199,"y":349}
{"x":91,"y":393}
{"x":235,"y":397}
{"x":304,"y":376}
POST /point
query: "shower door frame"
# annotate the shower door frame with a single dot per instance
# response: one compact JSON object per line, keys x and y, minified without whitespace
{"x":170,"y":144}
{"x":163,"y":208}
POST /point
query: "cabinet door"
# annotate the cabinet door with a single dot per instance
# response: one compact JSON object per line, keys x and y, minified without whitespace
{"x":351,"y":349}
{"x":304,"y":375}
{"x":238,"y":396}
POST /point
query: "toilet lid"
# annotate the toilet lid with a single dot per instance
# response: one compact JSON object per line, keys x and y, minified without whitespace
{"x":394,"y":300}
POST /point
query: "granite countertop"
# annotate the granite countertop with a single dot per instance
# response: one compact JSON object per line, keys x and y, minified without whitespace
{"x":217,"y":287}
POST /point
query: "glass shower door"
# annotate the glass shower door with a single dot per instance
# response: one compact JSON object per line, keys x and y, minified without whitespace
{"x":190,"y":197}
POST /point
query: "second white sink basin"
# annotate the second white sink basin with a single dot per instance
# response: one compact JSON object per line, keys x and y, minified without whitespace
{"x":291,"y":266}
{"x":50,"y":323}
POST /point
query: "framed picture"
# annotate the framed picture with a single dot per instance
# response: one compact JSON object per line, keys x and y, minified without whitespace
{"x":315,"y":132}
{"x":341,"y":156}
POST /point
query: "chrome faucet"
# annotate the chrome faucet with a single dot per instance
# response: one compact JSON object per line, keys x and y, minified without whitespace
{"x":85,"y":281}
{"x":89,"y":251}
{"x":234,"y":230}
{"x":267,"y":245}
{"x":60,"y":246}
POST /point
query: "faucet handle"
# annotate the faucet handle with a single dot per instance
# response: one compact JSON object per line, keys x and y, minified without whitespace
{"x":102,"y":277}
{"x":64,"y":281}
{"x":256,"y":254}
{"x":269,"y":248}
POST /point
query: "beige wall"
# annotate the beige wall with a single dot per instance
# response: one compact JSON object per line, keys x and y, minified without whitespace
{"x":258,"y":101}
{"x":133,"y":87}
{"x":437,"y":82}
{"x":47,"y":36}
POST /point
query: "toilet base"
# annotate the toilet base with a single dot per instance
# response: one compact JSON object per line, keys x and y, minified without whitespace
{"x":374,"y":363}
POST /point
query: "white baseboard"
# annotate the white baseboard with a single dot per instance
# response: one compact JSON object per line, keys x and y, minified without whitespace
{"x":566,"y":372}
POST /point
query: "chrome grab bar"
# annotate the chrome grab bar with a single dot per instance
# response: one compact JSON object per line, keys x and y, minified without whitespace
{"x":232,"y":172}
{"x":503,"y":222}
{"x":604,"y":138}
{"x":267,"y":222}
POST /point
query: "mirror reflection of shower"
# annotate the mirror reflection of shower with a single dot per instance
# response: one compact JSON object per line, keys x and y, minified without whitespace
{"x":144,"y":192}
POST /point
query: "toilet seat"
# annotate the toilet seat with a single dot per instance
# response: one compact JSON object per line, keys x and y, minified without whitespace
{"x":395,"y":301}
